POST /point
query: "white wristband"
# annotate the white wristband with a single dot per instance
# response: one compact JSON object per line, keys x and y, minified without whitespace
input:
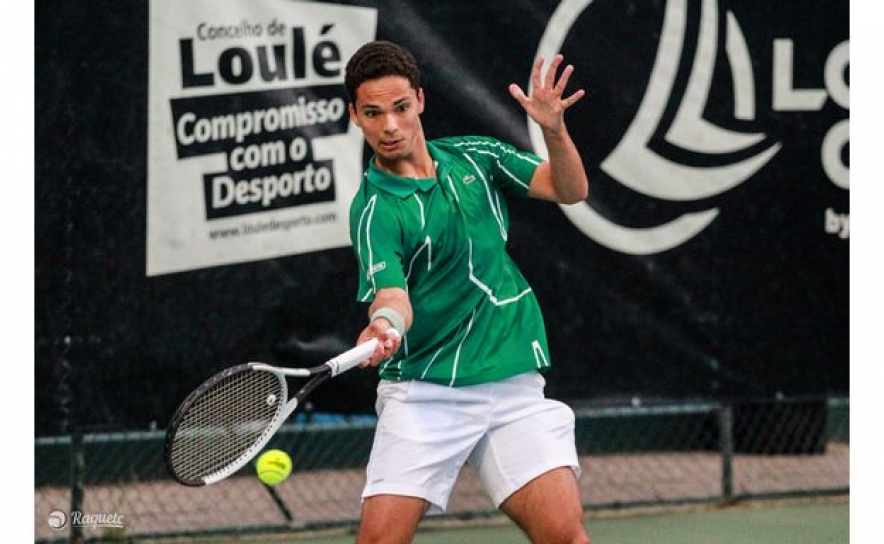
{"x":391,"y":315}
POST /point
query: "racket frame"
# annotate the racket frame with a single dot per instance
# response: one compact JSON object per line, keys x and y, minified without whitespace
{"x":318,"y":375}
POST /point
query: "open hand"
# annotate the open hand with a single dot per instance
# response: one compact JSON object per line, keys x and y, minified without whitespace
{"x":546,"y":105}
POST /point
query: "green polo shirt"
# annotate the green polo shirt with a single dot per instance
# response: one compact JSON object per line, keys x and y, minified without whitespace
{"x":476,"y":319}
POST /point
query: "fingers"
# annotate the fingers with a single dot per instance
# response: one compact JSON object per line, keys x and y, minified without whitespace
{"x":390,"y":340}
{"x":549,"y":79}
{"x":535,"y":72}
{"x":388,"y":344}
{"x":517,"y":93}
{"x":380,"y":354}
{"x":559,"y":87}
{"x":568,"y":102}
{"x":550,"y":82}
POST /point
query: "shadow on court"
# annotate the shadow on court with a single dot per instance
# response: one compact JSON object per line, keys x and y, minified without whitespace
{"x":762,"y":523}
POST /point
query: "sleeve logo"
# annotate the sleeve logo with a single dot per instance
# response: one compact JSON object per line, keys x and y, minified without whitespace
{"x":375,"y":269}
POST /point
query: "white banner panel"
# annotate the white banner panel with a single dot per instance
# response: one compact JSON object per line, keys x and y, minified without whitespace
{"x":251,"y":154}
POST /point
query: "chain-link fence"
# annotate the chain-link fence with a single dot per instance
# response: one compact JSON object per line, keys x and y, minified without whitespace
{"x":115,"y":485}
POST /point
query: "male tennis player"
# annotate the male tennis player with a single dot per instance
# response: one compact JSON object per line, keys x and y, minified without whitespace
{"x":462,"y":381}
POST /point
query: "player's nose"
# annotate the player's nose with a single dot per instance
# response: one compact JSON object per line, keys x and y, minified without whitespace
{"x":390,"y":125}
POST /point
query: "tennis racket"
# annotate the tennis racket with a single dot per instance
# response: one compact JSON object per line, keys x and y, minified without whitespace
{"x":228,"y":419}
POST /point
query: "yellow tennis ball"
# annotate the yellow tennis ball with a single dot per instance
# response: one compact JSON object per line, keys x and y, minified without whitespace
{"x":273,"y":466}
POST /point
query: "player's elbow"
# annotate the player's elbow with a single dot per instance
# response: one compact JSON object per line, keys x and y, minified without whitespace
{"x":577,"y":194}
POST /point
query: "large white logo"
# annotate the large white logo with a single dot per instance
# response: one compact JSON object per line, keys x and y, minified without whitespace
{"x":634,"y":164}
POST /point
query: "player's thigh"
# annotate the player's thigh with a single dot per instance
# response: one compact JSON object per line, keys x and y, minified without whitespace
{"x":531,"y":436}
{"x":390,"y":519}
{"x":423,"y":437}
{"x":548,"y":508}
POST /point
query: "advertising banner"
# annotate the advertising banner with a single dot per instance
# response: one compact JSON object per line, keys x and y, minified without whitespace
{"x":251,"y":153}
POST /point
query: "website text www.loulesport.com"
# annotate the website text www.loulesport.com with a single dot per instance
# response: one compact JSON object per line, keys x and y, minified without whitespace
{"x":251,"y":228}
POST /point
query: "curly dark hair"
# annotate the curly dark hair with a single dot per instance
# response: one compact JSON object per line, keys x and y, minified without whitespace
{"x":378,"y":59}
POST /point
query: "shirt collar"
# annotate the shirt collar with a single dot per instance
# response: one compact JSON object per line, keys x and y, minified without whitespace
{"x":397,"y":185}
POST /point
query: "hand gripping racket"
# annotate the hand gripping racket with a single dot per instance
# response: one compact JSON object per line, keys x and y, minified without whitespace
{"x":228,"y":419}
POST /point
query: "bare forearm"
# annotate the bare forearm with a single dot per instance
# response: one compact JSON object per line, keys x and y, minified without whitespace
{"x":382,"y":328}
{"x":568,"y":175}
{"x":562,"y":178}
{"x":397,"y":300}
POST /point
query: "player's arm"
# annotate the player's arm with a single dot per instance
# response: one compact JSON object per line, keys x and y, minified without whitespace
{"x":562,"y":178}
{"x":390,"y":309}
{"x":376,"y":234}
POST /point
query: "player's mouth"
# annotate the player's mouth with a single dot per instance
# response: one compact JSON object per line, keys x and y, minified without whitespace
{"x":389,"y":145}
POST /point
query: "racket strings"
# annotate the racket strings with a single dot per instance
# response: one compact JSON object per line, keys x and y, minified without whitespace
{"x":225,"y":421}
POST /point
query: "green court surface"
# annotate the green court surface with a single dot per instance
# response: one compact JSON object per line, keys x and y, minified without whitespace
{"x":760,"y":523}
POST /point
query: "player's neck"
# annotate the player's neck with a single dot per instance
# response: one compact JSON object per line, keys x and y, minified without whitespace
{"x":418,"y":164}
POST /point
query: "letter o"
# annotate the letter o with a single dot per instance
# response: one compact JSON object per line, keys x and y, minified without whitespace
{"x":286,"y":185}
{"x":836,"y":64}
{"x":203,"y":131}
{"x":235,"y":65}
{"x":335,"y":109}
{"x":322,"y":179}
{"x":298,"y":149}
{"x":253,"y":156}
{"x":835,"y":140}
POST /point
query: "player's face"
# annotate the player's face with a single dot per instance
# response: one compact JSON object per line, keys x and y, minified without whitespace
{"x":387,"y":110}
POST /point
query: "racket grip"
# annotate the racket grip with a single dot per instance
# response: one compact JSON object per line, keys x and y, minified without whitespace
{"x":352,"y":357}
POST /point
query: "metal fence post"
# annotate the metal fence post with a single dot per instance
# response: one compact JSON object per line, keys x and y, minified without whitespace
{"x":78,"y":466}
{"x":726,"y":443}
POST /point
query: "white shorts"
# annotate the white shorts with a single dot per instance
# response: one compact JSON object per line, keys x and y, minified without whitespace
{"x":507,"y":430}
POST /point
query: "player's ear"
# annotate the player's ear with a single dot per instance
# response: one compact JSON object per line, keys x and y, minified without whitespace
{"x":420,"y":101}
{"x":353,"y":116}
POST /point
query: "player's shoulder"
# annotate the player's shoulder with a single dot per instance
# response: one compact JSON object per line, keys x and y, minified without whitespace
{"x":466,"y":143}
{"x":479,"y":147}
{"x":369,"y":197}
{"x":365,"y":194}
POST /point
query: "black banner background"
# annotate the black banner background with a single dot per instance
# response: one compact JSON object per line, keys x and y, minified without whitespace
{"x":755,"y":305}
